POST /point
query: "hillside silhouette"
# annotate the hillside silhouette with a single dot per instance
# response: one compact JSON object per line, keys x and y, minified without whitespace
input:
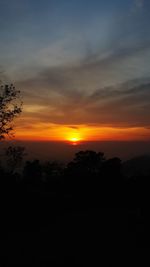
{"x":137,"y":166}
{"x":79,"y":212}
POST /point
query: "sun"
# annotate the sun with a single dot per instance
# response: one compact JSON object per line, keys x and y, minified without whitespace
{"x":74,"y":139}
{"x":73,"y":136}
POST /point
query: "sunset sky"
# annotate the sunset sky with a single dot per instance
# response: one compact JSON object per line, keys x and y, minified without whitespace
{"x":83,"y":67}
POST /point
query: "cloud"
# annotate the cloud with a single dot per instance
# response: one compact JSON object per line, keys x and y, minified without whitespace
{"x":139,"y":3}
{"x":131,"y":87}
{"x":74,"y":127}
{"x":124,"y":105}
{"x":96,"y":90}
{"x":137,"y":6}
{"x":76,"y":79}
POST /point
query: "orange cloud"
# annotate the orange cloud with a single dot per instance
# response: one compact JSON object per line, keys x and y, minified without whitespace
{"x":47,"y":131}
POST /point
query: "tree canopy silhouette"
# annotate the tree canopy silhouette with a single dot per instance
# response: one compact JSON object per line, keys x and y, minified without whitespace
{"x":10,"y":107}
{"x":87,"y":161}
{"x":14,"y":157}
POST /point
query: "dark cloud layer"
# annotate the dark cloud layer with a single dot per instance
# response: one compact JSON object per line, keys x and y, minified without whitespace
{"x":92,"y":91}
{"x":126,"y":104}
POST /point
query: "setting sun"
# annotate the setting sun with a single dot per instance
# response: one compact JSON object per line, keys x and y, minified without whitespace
{"x":74,"y":139}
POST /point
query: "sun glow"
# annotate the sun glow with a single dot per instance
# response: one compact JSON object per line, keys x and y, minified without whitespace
{"x":27,"y":129}
{"x":74,"y":139}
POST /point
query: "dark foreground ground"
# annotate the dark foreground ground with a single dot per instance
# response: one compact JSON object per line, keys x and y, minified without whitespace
{"x":41,"y":227}
{"x":88,"y":212}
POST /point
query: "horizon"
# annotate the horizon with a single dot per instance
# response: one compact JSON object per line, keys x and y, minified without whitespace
{"x":64,"y":151}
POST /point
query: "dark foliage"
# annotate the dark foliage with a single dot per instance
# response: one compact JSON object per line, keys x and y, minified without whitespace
{"x":79,"y":213}
{"x":14,"y":157}
{"x":10,"y":108}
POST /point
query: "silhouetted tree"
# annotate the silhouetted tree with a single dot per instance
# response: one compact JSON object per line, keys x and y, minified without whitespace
{"x":82,"y":172}
{"x":111,"y":181}
{"x":112,"y":169}
{"x":10,"y":107}
{"x":2,"y":172}
{"x":88,"y":161}
{"x":52,"y":170}
{"x":14,"y":157}
{"x":32,"y":172}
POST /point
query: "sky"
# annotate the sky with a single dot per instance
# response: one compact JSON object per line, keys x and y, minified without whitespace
{"x":82,"y":67}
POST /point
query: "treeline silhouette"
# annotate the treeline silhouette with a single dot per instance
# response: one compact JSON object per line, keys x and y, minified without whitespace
{"x":74,"y":213}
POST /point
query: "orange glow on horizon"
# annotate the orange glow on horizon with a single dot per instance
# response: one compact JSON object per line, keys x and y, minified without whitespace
{"x":74,"y":134}
{"x":74,"y":139}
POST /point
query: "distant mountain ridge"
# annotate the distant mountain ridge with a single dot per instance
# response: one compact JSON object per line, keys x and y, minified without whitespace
{"x":137,"y":166}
